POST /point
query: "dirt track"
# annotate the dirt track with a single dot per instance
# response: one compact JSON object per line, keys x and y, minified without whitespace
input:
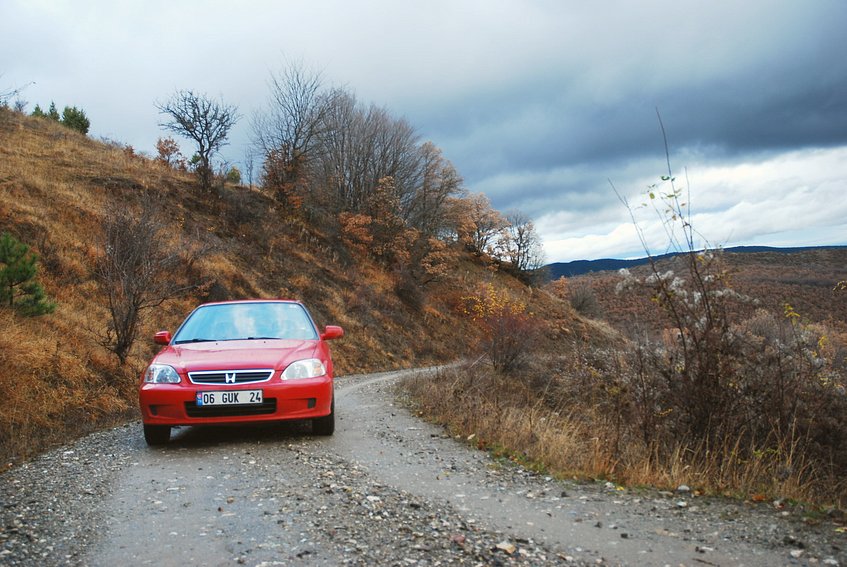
{"x":386,"y":489}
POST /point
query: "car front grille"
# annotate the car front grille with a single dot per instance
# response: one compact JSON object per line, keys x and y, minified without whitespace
{"x":266,"y":407}
{"x":230,"y":376}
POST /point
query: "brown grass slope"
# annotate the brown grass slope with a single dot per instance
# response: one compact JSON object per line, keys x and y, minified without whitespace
{"x":56,"y":187}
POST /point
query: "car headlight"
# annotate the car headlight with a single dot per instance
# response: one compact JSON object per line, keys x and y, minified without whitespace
{"x":161,"y":374}
{"x":309,"y":368}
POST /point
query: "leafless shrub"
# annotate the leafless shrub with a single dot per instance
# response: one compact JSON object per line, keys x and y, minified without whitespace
{"x":7,"y":93}
{"x":508,"y":338}
{"x":584,"y":300}
{"x":137,"y":270}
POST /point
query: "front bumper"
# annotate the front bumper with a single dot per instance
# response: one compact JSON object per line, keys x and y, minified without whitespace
{"x":175,"y":404}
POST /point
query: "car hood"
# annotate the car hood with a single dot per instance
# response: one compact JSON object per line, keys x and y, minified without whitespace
{"x":234,"y":355}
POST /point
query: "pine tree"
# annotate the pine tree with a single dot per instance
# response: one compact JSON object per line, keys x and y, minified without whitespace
{"x":52,"y":113}
{"x":17,"y":278}
{"x":75,"y":119}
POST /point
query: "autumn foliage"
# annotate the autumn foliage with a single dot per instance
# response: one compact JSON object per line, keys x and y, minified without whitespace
{"x":509,"y":331}
{"x":280,"y":178}
{"x":169,"y":155}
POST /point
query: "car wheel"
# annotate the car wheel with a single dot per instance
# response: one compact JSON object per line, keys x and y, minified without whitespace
{"x":325,"y":425}
{"x":157,"y":434}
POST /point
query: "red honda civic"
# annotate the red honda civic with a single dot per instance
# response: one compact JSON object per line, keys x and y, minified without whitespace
{"x":239,"y":362}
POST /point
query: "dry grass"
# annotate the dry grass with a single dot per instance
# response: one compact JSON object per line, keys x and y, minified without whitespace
{"x":53,"y":387}
{"x":592,"y":404}
{"x":510,"y":418}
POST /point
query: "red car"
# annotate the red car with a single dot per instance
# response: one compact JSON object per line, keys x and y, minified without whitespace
{"x":238,"y":362}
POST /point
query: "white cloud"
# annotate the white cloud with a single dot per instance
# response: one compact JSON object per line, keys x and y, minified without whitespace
{"x":791,"y":199}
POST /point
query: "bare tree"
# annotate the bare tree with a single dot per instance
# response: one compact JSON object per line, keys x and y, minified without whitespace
{"x":437,"y":180}
{"x":324,"y":151}
{"x":136,"y":272}
{"x":289,"y":126}
{"x":394,"y":152}
{"x":206,"y":121}
{"x":335,"y":172}
{"x":522,"y":244}
{"x":249,"y":165}
{"x":6,"y":95}
{"x":358,"y":147}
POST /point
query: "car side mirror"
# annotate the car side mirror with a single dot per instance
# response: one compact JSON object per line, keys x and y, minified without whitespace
{"x":162,"y":338}
{"x":332,"y":332}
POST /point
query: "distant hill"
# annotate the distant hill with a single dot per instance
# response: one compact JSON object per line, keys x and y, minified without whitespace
{"x":580,"y":267}
{"x":803,"y":278}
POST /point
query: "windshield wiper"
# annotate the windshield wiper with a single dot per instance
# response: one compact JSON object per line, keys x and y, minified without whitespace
{"x":201,"y":340}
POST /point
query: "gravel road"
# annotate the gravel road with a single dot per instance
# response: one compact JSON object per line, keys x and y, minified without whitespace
{"x":386,"y":489}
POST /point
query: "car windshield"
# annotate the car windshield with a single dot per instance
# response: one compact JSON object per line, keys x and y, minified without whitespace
{"x":242,"y":321}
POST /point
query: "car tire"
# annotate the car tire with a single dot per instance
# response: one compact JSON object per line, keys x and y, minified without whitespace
{"x":157,"y":434}
{"x":325,"y":425}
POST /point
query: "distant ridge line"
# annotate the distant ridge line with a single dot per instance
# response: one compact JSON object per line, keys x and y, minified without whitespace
{"x":580,"y":267}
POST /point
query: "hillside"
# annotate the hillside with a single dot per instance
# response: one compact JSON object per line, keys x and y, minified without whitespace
{"x":57,"y":188}
{"x":580,"y":267}
{"x":802,"y":278}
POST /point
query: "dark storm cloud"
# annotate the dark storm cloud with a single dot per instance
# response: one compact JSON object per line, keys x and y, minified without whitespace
{"x":724,"y":120}
{"x":785,"y":91}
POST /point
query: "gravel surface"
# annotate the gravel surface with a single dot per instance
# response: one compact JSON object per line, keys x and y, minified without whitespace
{"x":386,"y":489}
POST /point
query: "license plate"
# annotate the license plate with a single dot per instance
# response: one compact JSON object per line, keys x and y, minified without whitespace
{"x":229,"y":398}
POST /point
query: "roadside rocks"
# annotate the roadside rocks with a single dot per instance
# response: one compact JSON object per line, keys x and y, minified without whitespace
{"x":48,"y":506}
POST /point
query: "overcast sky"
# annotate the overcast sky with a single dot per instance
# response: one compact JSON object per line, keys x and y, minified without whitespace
{"x":542,"y":105}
